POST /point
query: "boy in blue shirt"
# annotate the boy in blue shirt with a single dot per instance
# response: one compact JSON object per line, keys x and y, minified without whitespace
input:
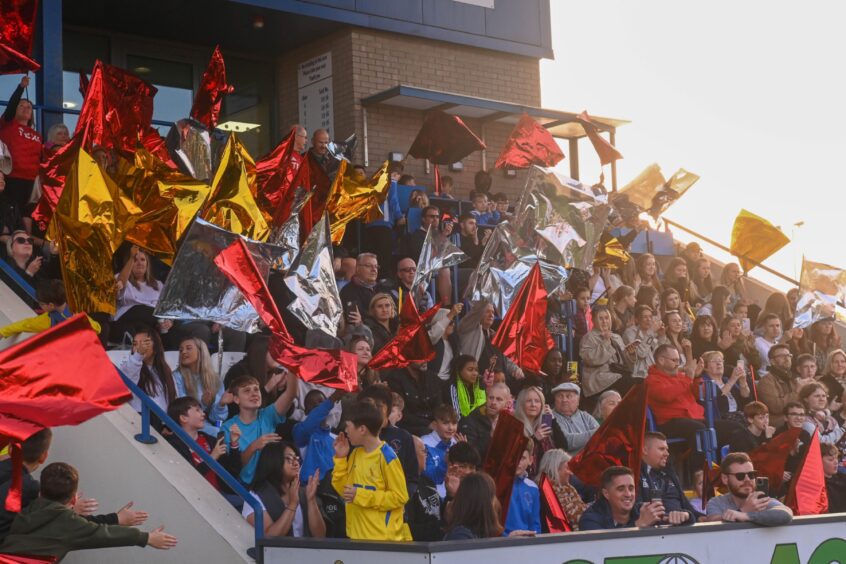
{"x":313,"y":436}
{"x":438,"y":443}
{"x":524,"y":508}
{"x":255,"y":426}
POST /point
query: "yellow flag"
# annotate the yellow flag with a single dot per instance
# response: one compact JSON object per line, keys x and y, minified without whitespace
{"x":168,"y":200}
{"x":232,"y":204}
{"x":90,"y":222}
{"x":644,"y":188}
{"x":753,"y":239}
{"x":350,"y":199}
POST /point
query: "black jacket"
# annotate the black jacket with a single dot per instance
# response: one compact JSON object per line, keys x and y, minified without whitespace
{"x":423,"y":512}
{"x":231,"y":461}
{"x":477,"y":428}
{"x":359,"y":295}
{"x":421,"y":397}
{"x":672,"y":494}
{"x":836,"y":489}
{"x":598,"y":517}
{"x":403,"y":444}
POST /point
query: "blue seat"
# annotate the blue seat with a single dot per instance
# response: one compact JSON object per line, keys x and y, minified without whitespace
{"x":413,"y":218}
{"x":650,"y":425}
{"x":404,"y":195}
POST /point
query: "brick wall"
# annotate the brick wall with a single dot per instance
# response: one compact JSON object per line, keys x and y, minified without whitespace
{"x":365,"y":62}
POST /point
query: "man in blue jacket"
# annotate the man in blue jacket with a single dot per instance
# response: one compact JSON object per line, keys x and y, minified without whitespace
{"x":659,"y":482}
{"x":615,"y":506}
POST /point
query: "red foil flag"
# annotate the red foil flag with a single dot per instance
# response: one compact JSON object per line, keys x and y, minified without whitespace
{"x":617,"y":442}
{"x":276,"y":174}
{"x":320,"y":186}
{"x":412,"y":342}
{"x":553,"y":514}
{"x":20,"y":559}
{"x":52,"y":173}
{"x":37,"y":390}
{"x":333,"y":368}
{"x":444,"y":139}
{"x":771,"y":457}
{"x":155,"y":145}
{"x":507,"y":444}
{"x":17,"y":30}
{"x":529,"y":144}
{"x":523,"y":336}
{"x":118,"y":107}
{"x":807,"y":494}
{"x":213,"y":87}
{"x":606,"y":151}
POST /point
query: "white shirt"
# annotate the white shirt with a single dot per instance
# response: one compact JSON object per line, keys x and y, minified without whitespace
{"x":132,"y":296}
{"x":763,"y":346}
{"x":131,"y":366}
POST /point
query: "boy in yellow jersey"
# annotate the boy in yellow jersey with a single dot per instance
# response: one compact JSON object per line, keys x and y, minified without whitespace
{"x":51,"y":296}
{"x":369,"y":477}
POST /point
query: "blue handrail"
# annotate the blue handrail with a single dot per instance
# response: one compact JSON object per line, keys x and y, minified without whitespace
{"x":147,"y":405}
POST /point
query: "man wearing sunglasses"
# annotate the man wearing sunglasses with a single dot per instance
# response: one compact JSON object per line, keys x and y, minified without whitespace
{"x":743,"y":503}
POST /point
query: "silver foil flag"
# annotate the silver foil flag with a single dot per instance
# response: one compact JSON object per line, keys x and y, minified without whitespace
{"x":311,"y":279}
{"x":287,"y":234}
{"x":438,"y":252}
{"x":196,"y":290}
{"x":189,"y":145}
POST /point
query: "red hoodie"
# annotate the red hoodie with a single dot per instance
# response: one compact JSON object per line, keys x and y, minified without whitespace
{"x":671,"y":397}
{"x":24,"y":145}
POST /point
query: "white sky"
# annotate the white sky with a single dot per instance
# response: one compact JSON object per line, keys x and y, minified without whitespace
{"x":749,"y":95}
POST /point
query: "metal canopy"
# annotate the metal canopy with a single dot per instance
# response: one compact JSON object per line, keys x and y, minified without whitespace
{"x":560,"y":124}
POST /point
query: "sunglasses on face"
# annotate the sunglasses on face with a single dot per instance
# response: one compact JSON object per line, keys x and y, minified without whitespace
{"x":24,"y":240}
{"x":740,"y":476}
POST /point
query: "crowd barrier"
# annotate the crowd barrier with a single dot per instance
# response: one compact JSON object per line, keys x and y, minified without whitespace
{"x":808,"y":540}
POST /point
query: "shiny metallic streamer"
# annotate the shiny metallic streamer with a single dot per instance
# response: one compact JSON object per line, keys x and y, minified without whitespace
{"x":189,"y":146}
{"x":438,"y":252}
{"x":822,"y":290}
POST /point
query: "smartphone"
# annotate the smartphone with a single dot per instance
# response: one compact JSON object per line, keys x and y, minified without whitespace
{"x":762,"y":484}
{"x":546,"y":419}
{"x":220,"y":437}
{"x":351,"y":307}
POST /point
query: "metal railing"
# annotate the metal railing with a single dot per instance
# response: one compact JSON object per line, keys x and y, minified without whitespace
{"x":40,"y":109}
{"x":146,"y":437}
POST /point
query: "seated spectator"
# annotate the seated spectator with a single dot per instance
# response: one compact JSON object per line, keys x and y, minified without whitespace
{"x":756,"y":432}
{"x":196,"y":377}
{"x":374,"y":512}
{"x":398,"y":439}
{"x":732,"y":393}
{"x":742,"y":503}
{"x":464,"y":393}
{"x":313,"y":436}
{"x":447,"y":187}
{"x":382,"y":320}
{"x":137,"y":294}
{"x":672,"y":397}
{"x":407,"y":180}
{"x":53,"y":301}
{"x":605,"y":405}
{"x":583,"y":320}
{"x":406,"y":270}
{"x":290,"y":509}
{"x":701,"y":283}
{"x":646,"y":273}
{"x":479,"y":425}
{"x":470,"y":242}
{"x":675,"y":337}
{"x":422,"y":393}
{"x":643,"y":338}
{"x":530,"y":409}
{"x":146,"y":367}
{"x":360,"y":345}
{"x":731,"y":278}
{"x":188,"y":413}
{"x":649,"y":296}
{"x":703,"y":336}
{"x":805,"y":367}
{"x":824,"y":338}
{"x":423,"y":511}
{"x":793,"y":416}
{"x":770,"y":326}
{"x":554,"y":466}
{"x":698,"y":483}
{"x":738,"y":345}
{"x":482,"y":182}
{"x":814,"y":398}
{"x":501,"y":200}
{"x":255,"y":426}
{"x":438,"y":442}
{"x":397,"y":405}
{"x":718,"y":307}
{"x":442,"y":334}
{"x":357,"y":294}
{"x":660,"y":484}
{"x":525,"y":507}
{"x":412,"y":244}
{"x":555,"y":372}
{"x":481,"y":210}
{"x":576,"y":426}
{"x":606,"y":361}
{"x":778,"y":386}
{"x":19,"y":256}
{"x":48,"y":526}
{"x":834,"y":374}
{"x":417,"y":198}
{"x":622,"y":307}
{"x":691,"y":253}
{"x":671,"y":300}
{"x":835,"y":482}
{"x":615,"y":506}
{"x":475,"y":510}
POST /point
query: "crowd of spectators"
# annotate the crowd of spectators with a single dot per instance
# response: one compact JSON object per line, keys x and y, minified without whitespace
{"x":402,"y":458}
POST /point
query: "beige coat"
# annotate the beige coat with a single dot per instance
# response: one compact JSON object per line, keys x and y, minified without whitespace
{"x":596,"y":354}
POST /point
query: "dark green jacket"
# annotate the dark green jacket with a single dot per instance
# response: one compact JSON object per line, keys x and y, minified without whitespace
{"x":47,"y":527}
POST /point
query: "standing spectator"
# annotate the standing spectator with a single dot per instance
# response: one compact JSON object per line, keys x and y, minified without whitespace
{"x":438,"y":442}
{"x":382,"y":320}
{"x":412,"y":243}
{"x":423,"y":511}
{"x":501,"y":200}
{"x":313,"y":436}
{"x":407,"y":180}
{"x":660,"y":484}
{"x":756,"y":432}
{"x":447,"y":187}
{"x":576,"y":426}
{"x":57,"y":137}
{"x":137,"y":294}
{"x":196,"y":377}
{"x":615,"y":505}
{"x":475,"y":333}
{"x":702,"y":283}
{"x":422,"y":392}
{"x":320,"y":151}
{"x":582,"y":322}
{"x":406,"y":270}
{"x":481,"y":210}
{"x":417,"y":198}
{"x":442,"y":334}
{"x":360,"y":345}
{"x":742,"y":503}
{"x":824,"y":339}
{"x":692,"y":254}
{"x":51,"y":297}
{"x":770,"y":325}
{"x":730,"y":278}
{"x":24,"y":144}
{"x":357,"y":294}
{"x":374,"y":512}
{"x":290,"y":510}
{"x":778,"y":386}
{"x":465,"y":393}
{"x":146,"y":367}
{"x":606,"y":361}
{"x":479,"y":425}
{"x":524,"y":509}
{"x":554,"y":466}
{"x":49,"y":527}
{"x":622,"y":306}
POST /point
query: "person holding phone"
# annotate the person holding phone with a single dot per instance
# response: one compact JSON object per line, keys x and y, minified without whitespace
{"x":743,"y":503}
{"x":659,"y":483}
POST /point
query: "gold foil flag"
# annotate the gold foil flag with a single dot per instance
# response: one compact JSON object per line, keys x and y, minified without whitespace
{"x":754,"y":239}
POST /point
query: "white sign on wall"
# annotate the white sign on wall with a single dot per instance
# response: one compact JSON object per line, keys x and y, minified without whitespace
{"x":314,"y":80}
